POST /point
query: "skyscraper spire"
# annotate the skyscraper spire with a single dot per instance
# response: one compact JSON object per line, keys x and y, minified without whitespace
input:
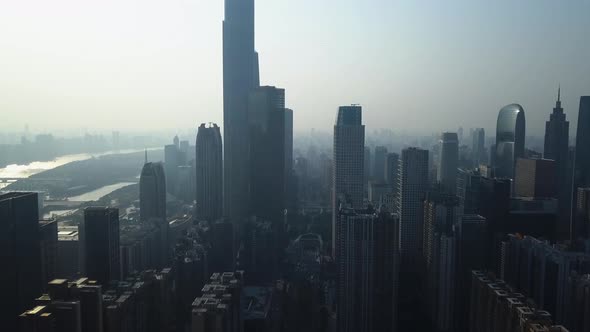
{"x":559,"y":94}
{"x":146,"y":160}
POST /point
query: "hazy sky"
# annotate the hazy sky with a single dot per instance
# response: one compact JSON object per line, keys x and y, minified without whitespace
{"x":413,"y":65}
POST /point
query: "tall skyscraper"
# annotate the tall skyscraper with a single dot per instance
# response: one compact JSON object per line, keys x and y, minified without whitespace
{"x":478,"y":146}
{"x":510,"y":136}
{"x":582,"y":158}
{"x":392,"y":170}
{"x":267,"y":182}
{"x":379,"y":165}
{"x":152,"y":202}
{"x":367,"y":271}
{"x":21,"y":256}
{"x":209,"y":172}
{"x":100,"y":244}
{"x":240,"y":76}
{"x":557,"y":148}
{"x":449,"y":162}
{"x":348,"y":169}
{"x":412,"y":190}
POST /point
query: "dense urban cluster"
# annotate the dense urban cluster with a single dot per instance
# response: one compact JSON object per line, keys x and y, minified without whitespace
{"x":245,"y":231}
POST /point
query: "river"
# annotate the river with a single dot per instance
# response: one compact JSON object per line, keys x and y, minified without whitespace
{"x":100,"y":192}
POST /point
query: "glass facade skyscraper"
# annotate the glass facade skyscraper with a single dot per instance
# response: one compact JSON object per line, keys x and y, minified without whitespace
{"x":510,"y":136}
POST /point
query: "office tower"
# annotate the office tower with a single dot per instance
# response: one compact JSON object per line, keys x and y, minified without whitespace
{"x":441,"y":212}
{"x":48,"y":244}
{"x":267,"y":182}
{"x":412,"y":190}
{"x":240,"y":76}
{"x":367,"y":271}
{"x":379,"y":165}
{"x":100,"y":244}
{"x":478,"y":148}
{"x":510,"y":136}
{"x":170,"y":166}
{"x":152,"y":202}
{"x":68,"y":252}
{"x":348,"y":163}
{"x":209,"y":172}
{"x":557,"y":148}
{"x":288,"y":141}
{"x":185,"y":186}
{"x":183,"y":153}
{"x":21,"y":255}
{"x":38,"y":319}
{"x":535,"y":178}
{"x":222,"y":253}
{"x":392,"y":170}
{"x":449,"y":161}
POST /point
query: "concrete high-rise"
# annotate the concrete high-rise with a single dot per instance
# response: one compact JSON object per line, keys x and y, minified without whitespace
{"x":412,"y":190}
{"x":449,"y":162}
{"x":240,"y":76}
{"x":535,"y":178}
{"x":510,"y":136}
{"x":152,"y":203}
{"x":557,"y":148}
{"x":379,"y":165}
{"x":209,"y":172}
{"x":267,"y":181}
{"x":21,"y":256}
{"x":100,"y":244}
{"x":348,"y":164}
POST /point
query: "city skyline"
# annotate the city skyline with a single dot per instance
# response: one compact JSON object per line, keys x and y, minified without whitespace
{"x":173,"y":70}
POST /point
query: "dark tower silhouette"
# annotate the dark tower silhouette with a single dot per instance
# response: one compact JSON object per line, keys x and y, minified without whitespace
{"x":100,"y":244}
{"x":556,"y":148}
{"x":209,"y":175}
{"x":240,"y":76}
{"x":582,"y":158}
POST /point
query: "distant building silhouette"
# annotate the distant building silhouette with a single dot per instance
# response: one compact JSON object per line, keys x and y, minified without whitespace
{"x":209,"y":173}
{"x":21,"y":256}
{"x":171,"y":163}
{"x":510,"y":137}
{"x":478,"y":147}
{"x":449,"y":162}
{"x":100,"y":244}
{"x":379,"y":164}
{"x":349,"y":160}
{"x":240,"y":76}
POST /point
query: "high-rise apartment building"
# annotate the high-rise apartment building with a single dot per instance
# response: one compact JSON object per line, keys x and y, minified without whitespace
{"x":240,"y":77}
{"x":510,"y":136}
{"x":367,"y":271}
{"x":100,"y":244}
{"x":412,"y":190}
{"x":21,"y":256}
{"x":348,"y":164}
{"x":449,"y":162}
{"x":209,"y":173}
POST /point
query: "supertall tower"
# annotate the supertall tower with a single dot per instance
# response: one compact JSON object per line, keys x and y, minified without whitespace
{"x":240,"y":76}
{"x":510,"y":135}
{"x":449,"y":161}
{"x":348,"y":168}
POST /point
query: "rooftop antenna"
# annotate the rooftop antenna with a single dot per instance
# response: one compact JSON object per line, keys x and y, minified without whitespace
{"x":559,"y":93}
{"x":146,"y":160}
